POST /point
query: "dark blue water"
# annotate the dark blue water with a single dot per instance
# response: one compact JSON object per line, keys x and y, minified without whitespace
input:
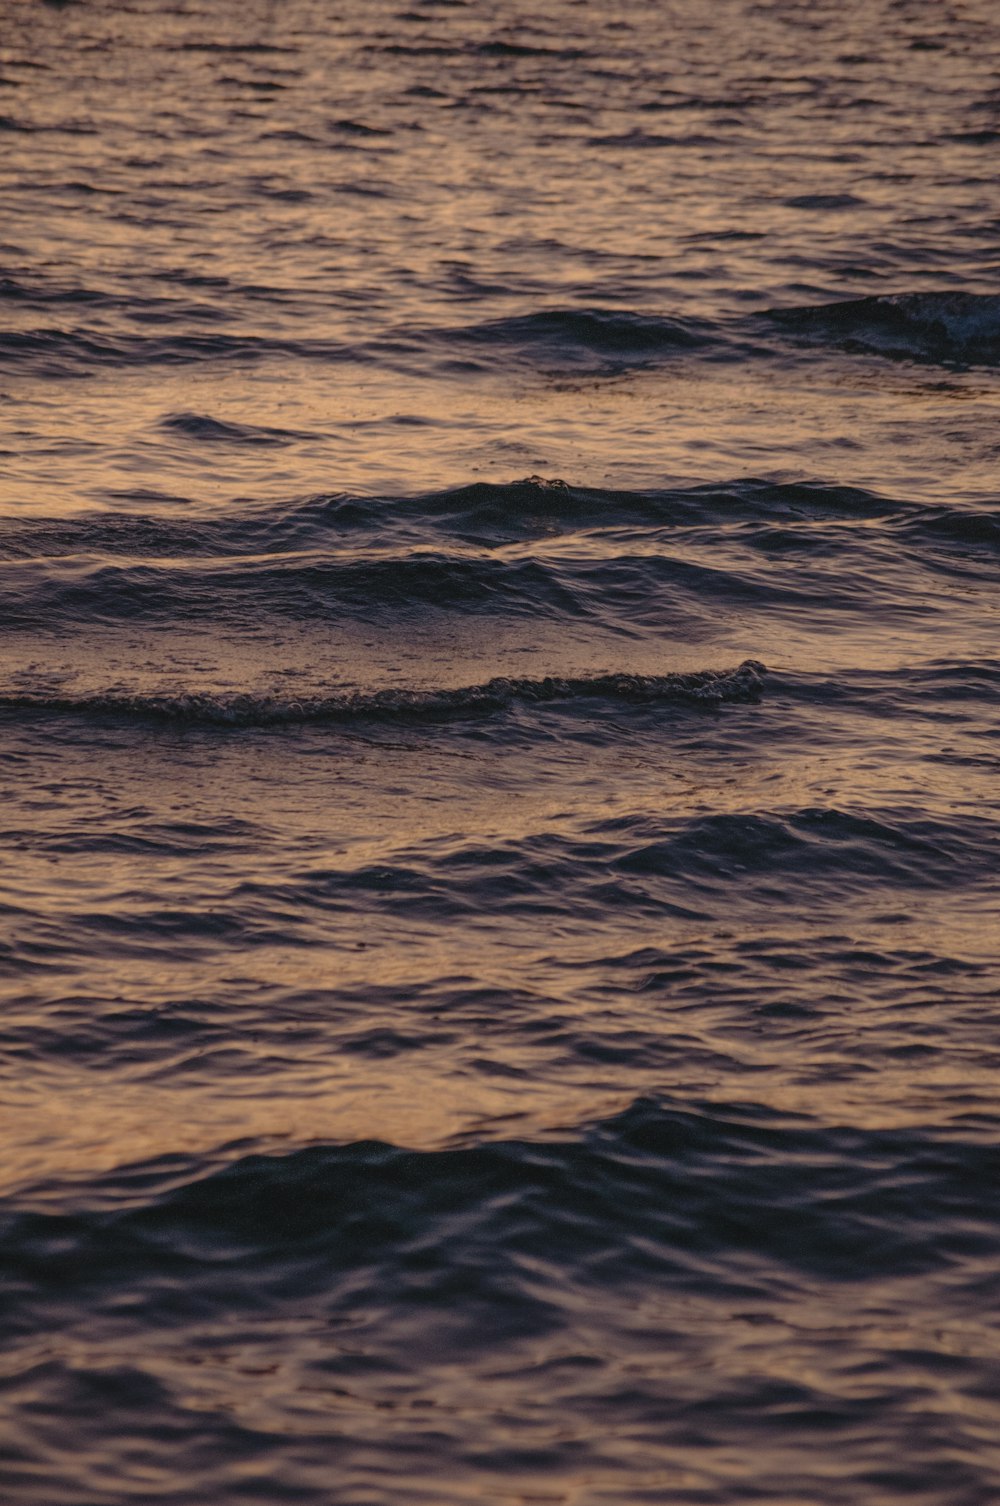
{"x":499,"y":748}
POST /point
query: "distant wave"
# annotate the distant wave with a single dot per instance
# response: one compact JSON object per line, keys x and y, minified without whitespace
{"x":207,"y":430}
{"x":41,"y":295}
{"x":707,"y":687}
{"x":58,"y":352}
{"x":824,"y":201}
{"x":587,"y":335}
{"x":946,"y":328}
{"x":960,"y":328}
{"x":638,"y":140}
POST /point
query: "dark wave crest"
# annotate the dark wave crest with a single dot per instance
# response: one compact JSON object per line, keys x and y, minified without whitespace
{"x":950,"y":328}
{"x":204,"y":429}
{"x":706,"y":687}
{"x":537,"y":548}
{"x":483,"y":512}
{"x":61,"y":352}
{"x":586,"y":336}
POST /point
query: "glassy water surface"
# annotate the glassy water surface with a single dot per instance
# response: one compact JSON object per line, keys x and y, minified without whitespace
{"x":498,"y":737}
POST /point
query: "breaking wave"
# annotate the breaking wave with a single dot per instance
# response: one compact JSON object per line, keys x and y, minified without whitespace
{"x":950,"y":328}
{"x":707,"y":687}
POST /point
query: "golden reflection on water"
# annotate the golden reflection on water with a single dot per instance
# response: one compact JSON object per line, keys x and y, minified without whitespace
{"x":80,"y":1129}
{"x":203,"y":980}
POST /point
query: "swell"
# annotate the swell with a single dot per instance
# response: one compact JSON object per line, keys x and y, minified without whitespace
{"x":908,"y":691}
{"x":537,"y":548}
{"x":968,"y":531}
{"x":204,"y":429}
{"x":480,"y":513}
{"x":709,"y":1196}
{"x":702,"y":688}
{"x":388,"y":1318}
{"x":954,"y":328}
{"x":803,"y":518}
{"x":626,"y":588}
{"x":556,"y":337}
{"x":671,"y":874}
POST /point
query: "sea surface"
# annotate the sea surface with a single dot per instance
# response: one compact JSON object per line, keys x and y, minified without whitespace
{"x":499,"y":737}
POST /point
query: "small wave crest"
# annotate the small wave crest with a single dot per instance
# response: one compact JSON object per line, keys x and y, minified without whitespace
{"x":59,"y":352}
{"x":207,"y":430}
{"x":586,"y":336}
{"x":960,"y":328}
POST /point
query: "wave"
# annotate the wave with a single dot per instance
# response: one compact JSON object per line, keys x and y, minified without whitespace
{"x":967,"y":529}
{"x":824,"y":201}
{"x":55,"y":352}
{"x":41,"y":295}
{"x":303,"y":586}
{"x":665,"y":869}
{"x":666,"y":872}
{"x":499,"y":48}
{"x":536,"y":548}
{"x":691,"y":1192}
{"x":708,"y":687}
{"x":586,"y":336}
{"x":207,"y":430}
{"x":595,"y":338}
{"x":639,"y":140}
{"x":903,"y":691}
{"x":788,"y":852}
{"x":625,"y":585}
{"x":480,"y":513}
{"x":366,"y":1313}
{"x":948,"y":328}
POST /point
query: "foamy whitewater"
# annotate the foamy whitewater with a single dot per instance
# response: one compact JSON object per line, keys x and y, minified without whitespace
{"x":498,"y":724}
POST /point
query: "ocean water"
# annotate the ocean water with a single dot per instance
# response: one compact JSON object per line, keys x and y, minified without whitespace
{"x":499,"y":742}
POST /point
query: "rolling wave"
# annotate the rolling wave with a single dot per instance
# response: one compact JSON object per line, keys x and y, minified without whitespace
{"x":955,"y":328}
{"x":533,"y":549}
{"x":686,"y":1192}
{"x":585,"y":336}
{"x":946,"y":328}
{"x":480,"y":513}
{"x":701,"y":688}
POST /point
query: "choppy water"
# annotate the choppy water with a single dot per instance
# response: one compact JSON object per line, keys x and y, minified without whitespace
{"x":499,"y":746}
